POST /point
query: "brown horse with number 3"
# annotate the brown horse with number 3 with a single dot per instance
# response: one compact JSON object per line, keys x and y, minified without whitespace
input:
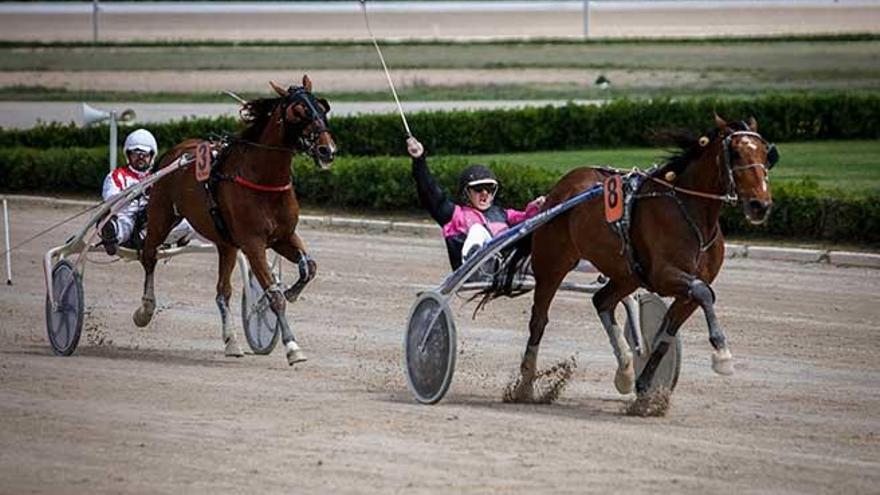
{"x":252,"y":191}
{"x":677,"y":245}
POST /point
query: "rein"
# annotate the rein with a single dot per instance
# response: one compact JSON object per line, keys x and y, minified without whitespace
{"x":730,"y":197}
{"x":724,"y":198}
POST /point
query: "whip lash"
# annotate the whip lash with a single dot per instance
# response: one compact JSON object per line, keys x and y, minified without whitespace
{"x":385,"y":68}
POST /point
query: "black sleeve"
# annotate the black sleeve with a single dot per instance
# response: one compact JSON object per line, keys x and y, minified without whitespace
{"x":431,"y":196}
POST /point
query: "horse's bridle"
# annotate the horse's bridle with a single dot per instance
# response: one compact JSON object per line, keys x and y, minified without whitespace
{"x":772,"y":157}
{"x":731,"y":197}
{"x":318,"y":122}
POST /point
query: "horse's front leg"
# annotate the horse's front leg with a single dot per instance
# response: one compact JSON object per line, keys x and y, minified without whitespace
{"x":294,"y":249}
{"x":224,"y":293}
{"x":256,"y":256}
{"x":722,"y":360}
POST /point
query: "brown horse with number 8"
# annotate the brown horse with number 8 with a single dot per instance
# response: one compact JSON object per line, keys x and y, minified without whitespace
{"x":675,"y":242}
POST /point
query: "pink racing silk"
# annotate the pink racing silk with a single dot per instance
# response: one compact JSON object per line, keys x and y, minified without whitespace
{"x":465,"y":217}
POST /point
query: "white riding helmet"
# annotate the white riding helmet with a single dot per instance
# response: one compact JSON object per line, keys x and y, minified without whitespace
{"x":142,"y":140}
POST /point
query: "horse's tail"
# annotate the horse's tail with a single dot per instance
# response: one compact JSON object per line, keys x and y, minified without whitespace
{"x":506,"y":281}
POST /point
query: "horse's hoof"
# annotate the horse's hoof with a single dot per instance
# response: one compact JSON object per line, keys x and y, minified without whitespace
{"x":625,"y":378}
{"x":294,"y":353}
{"x":722,"y":362}
{"x":233,"y":349}
{"x":142,"y":317}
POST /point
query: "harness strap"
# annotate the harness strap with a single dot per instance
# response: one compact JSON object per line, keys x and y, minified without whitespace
{"x":211,"y":193}
{"x":259,"y":187}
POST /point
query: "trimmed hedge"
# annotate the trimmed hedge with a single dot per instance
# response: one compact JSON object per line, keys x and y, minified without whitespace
{"x":801,"y":210}
{"x":616,"y":124}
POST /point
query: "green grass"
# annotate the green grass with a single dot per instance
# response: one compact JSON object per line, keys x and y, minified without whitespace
{"x":645,"y":68}
{"x":756,"y":57}
{"x":412,"y":93}
{"x":851,"y":166}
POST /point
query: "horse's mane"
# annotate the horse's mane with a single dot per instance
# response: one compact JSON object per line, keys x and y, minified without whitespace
{"x":689,"y":148}
{"x":255,"y":115}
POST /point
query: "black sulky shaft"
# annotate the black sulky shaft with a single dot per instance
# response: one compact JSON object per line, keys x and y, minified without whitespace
{"x":647,"y":375}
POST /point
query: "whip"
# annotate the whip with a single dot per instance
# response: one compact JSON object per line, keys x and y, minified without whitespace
{"x":385,"y":68}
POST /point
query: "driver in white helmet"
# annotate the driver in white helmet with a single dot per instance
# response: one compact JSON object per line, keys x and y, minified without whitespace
{"x":140,"y":151}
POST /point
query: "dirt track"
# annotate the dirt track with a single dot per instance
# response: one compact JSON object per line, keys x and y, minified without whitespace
{"x":160,"y":410}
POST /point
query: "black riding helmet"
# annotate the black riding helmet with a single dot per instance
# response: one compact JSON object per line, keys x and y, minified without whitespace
{"x":475,"y":175}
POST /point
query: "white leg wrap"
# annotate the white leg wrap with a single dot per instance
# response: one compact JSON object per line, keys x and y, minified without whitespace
{"x":722,"y":362}
{"x":294,"y":353}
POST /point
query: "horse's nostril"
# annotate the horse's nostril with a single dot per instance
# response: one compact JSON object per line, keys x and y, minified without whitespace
{"x":325,"y":151}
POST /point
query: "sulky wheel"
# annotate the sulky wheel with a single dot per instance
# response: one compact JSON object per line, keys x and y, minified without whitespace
{"x":261,"y":326}
{"x":652,"y":309}
{"x":64,"y":321}
{"x":429,"y":348}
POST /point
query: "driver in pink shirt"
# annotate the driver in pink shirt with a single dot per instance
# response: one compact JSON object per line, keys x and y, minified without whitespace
{"x":466,"y":226}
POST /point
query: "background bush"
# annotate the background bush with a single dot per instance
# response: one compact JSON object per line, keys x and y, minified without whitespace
{"x":801,"y":210}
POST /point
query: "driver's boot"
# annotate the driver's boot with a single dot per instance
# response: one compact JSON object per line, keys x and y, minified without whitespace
{"x":110,"y":237}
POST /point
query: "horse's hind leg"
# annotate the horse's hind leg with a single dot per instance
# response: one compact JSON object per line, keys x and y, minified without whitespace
{"x":144,"y":313}
{"x":256,"y":256}
{"x":295,"y":251}
{"x":224,"y":293}
{"x":159,"y":222}
{"x":605,"y":301}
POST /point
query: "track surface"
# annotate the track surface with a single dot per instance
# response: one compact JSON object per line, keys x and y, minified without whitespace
{"x":160,"y":410}
{"x":698,"y":19}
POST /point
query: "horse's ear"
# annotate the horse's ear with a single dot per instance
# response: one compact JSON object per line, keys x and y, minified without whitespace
{"x":307,"y":83}
{"x":753,"y":124}
{"x":278,"y":89}
{"x":721,"y":123}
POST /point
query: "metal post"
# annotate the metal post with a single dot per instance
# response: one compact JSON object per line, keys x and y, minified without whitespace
{"x":95,"y":10}
{"x":586,"y":19}
{"x":6,"y":237}
{"x":113,"y":137}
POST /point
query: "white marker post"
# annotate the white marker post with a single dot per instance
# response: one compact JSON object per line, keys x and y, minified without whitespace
{"x":6,"y":238}
{"x":586,"y":19}
{"x":95,"y":10}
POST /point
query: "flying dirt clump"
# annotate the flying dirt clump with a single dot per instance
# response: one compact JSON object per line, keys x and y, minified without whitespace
{"x":653,"y":404}
{"x":96,"y":333}
{"x":545,"y":388}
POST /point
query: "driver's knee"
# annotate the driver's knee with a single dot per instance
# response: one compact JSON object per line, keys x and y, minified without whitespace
{"x":477,"y":235}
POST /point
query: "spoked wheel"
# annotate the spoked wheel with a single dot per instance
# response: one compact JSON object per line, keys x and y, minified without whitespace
{"x":64,"y":321}
{"x":261,"y":326}
{"x":652,"y":309}
{"x":429,"y":348}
